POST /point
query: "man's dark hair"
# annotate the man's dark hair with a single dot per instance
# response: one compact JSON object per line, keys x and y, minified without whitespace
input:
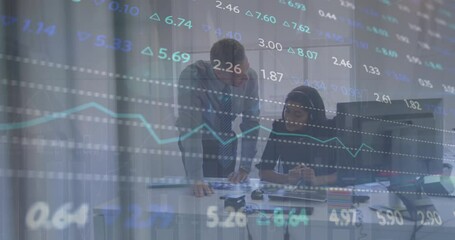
{"x":227,"y":50}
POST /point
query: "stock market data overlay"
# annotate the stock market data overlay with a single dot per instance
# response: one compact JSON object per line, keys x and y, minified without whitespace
{"x":229,"y":119}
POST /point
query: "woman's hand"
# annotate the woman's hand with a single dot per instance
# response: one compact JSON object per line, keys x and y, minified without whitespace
{"x":308,"y":175}
{"x":295,"y":174}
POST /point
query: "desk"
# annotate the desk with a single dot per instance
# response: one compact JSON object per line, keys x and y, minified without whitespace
{"x":189,"y":219}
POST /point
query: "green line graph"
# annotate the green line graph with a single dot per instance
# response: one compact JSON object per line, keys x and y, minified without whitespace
{"x":64,"y":114}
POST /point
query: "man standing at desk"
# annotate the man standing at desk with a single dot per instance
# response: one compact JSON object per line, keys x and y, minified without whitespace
{"x":211,"y":95}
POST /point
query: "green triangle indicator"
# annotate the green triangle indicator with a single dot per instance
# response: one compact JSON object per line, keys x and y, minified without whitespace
{"x":155,"y":17}
{"x":249,"y":13}
{"x":286,"y":24}
{"x":147,"y":51}
{"x":290,"y":50}
{"x":262,"y":219}
{"x":83,"y":36}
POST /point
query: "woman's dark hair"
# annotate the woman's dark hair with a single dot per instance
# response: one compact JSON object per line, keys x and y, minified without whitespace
{"x":312,"y":102}
{"x":227,"y":50}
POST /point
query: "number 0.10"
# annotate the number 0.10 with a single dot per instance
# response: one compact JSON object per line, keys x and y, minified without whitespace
{"x":116,"y":7}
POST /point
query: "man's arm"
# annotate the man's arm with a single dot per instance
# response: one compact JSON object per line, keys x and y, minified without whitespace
{"x":250,"y":120}
{"x":190,"y":117}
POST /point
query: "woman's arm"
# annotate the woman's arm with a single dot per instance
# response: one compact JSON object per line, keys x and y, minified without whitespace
{"x":325,"y":179}
{"x":272,"y":176}
{"x":269,"y":159}
{"x":310,"y":177}
{"x":293,"y":177}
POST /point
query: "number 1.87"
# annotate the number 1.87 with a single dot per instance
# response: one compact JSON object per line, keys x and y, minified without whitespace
{"x":272,"y":75}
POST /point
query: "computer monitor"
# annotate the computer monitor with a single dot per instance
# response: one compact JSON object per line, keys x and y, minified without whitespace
{"x":398,"y":141}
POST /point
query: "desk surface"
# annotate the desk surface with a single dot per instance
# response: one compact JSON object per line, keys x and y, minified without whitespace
{"x":180,"y":201}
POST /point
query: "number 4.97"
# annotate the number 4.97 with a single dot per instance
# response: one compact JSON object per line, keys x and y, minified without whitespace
{"x":345,"y":218}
